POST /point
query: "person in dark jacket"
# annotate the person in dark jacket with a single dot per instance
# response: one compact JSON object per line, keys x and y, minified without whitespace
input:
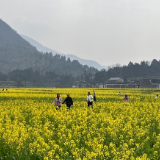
{"x":94,"y":96}
{"x":68,"y":101}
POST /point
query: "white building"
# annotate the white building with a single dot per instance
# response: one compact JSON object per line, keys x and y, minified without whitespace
{"x":116,"y":80}
{"x":101,"y":86}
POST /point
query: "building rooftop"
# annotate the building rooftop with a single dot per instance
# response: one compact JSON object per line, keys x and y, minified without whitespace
{"x":114,"y":78}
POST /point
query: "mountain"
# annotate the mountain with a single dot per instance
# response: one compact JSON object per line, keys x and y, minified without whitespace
{"x":17,"y":53}
{"x":90,"y":63}
{"x":44,"y":49}
{"x":36,"y":44}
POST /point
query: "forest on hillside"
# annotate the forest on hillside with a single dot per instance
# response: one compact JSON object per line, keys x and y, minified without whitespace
{"x":17,"y":54}
{"x":132,"y":70}
{"x":51,"y":78}
{"x":21,"y":62}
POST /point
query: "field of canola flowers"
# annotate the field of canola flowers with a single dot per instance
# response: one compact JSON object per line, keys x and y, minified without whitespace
{"x":31,"y":127}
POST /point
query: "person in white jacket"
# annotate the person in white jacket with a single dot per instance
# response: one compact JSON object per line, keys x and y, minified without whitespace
{"x":90,"y":100}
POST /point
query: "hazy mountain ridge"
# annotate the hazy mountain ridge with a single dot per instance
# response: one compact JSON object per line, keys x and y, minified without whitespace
{"x":44,"y":49}
{"x":17,"y":53}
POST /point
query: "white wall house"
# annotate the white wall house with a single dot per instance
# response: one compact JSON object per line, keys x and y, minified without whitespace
{"x":101,"y":86}
{"x":116,"y":80}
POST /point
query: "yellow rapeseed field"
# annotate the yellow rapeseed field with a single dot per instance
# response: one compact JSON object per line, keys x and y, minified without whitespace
{"x":31,"y":127}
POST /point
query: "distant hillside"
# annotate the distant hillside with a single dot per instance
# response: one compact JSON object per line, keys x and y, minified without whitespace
{"x":38,"y":46}
{"x":17,"y":53}
{"x":133,"y":70}
{"x":144,"y":69}
{"x":42,"y":48}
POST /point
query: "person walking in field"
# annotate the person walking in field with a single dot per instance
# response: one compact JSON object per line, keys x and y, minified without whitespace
{"x":119,"y":93}
{"x":94,"y":96}
{"x":68,"y":101}
{"x":58,"y":101}
{"x":126,"y":98}
{"x":156,"y":96}
{"x":89,"y":100}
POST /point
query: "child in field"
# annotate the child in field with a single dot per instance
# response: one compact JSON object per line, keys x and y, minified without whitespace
{"x":68,"y":101}
{"x":58,"y":101}
{"x":126,"y":98}
{"x":119,"y":94}
{"x":156,"y":96}
{"x":90,"y":100}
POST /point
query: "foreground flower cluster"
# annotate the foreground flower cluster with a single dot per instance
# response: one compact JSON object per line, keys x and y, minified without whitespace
{"x":31,"y":127}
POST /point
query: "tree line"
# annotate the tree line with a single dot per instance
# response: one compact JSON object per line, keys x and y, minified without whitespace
{"x":132,"y":70}
{"x":144,"y":69}
{"x":38,"y":79}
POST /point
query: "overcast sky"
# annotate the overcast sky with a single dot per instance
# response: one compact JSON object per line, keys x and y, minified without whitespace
{"x":107,"y":31}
